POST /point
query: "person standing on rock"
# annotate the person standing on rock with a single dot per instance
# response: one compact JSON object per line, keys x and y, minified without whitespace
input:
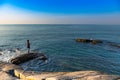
{"x":28,"y":45}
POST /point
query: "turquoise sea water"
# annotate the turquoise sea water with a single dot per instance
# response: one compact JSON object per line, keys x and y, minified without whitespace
{"x":58,"y":44}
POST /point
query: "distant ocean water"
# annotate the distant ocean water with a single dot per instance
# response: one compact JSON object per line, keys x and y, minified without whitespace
{"x":58,"y":44}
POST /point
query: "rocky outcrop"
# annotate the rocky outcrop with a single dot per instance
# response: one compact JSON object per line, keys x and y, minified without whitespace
{"x":88,"y":41}
{"x":111,"y":44}
{"x":17,"y":73}
{"x":26,"y":57}
{"x":78,"y":75}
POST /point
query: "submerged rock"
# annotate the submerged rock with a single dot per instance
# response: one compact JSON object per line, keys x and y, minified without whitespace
{"x":26,"y":57}
{"x":114,"y":45}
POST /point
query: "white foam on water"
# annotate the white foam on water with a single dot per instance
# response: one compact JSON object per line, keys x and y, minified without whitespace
{"x":7,"y":55}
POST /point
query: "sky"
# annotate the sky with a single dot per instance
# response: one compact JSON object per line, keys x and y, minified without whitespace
{"x":59,"y":11}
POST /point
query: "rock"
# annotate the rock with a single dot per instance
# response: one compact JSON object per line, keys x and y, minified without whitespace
{"x":96,"y":41}
{"x":88,"y":41}
{"x":78,"y":75}
{"x":1,"y":51}
{"x":45,"y":76}
{"x":102,"y":77}
{"x":8,"y":67}
{"x":20,"y":74}
{"x":82,"y":40}
{"x":5,"y":76}
{"x":26,"y":57}
{"x":114,"y":45}
{"x":7,"y":71}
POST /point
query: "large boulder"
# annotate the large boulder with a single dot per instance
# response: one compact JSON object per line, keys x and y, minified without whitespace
{"x":26,"y":57}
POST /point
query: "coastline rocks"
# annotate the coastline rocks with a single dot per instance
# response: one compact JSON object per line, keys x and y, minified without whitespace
{"x":88,"y":41}
{"x":78,"y":75}
{"x":20,"y":74}
{"x":7,"y":71}
{"x":7,"y":67}
{"x":26,"y":57}
{"x":5,"y":76}
{"x":103,"y":77}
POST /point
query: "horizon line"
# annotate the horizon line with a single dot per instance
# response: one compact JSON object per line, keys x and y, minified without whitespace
{"x":58,"y":24}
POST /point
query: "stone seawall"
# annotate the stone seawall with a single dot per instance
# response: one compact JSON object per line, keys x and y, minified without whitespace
{"x":13,"y":72}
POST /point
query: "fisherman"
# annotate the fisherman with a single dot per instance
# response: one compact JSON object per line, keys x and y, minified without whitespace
{"x":28,"y":45}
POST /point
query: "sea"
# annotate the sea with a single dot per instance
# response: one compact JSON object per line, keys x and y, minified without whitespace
{"x":57,"y":42}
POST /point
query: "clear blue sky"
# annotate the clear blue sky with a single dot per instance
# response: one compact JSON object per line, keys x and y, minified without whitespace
{"x":66,"y":7}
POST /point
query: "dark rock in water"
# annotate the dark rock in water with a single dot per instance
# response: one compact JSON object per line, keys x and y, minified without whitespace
{"x":114,"y":45}
{"x":82,"y":40}
{"x":88,"y":41}
{"x":0,"y":51}
{"x":26,"y":57}
{"x":96,"y":41}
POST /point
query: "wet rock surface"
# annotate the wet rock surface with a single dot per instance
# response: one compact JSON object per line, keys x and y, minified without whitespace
{"x":26,"y":57}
